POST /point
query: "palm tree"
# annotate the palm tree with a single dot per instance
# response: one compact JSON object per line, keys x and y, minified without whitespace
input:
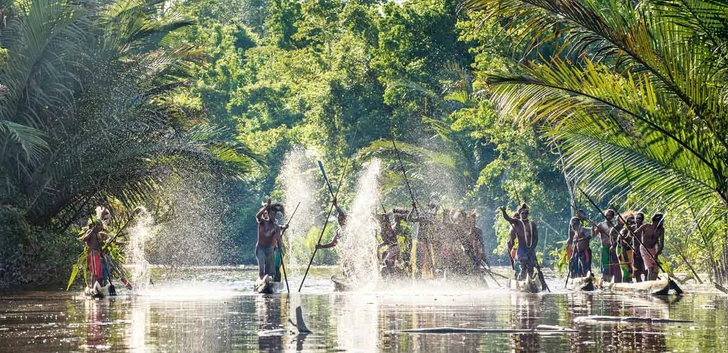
{"x":634,"y":94}
{"x":90,"y":113}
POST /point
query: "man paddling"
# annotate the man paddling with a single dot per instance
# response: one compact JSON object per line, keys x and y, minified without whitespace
{"x":389,"y":239}
{"x":341,"y":219}
{"x":425,"y":239}
{"x":608,"y":234}
{"x":526,"y":232}
{"x":638,"y":265}
{"x":268,"y":231}
{"x":578,"y":250}
{"x":653,"y":240}
{"x":626,"y":248}
{"x":93,"y":239}
{"x":476,"y":242}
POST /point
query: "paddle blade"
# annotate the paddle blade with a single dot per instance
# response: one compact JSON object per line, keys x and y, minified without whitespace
{"x":323,"y":171}
{"x":299,"y":321}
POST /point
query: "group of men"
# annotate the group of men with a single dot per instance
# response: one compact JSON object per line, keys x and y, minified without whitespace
{"x":629,"y":247}
{"x":449,"y":240}
{"x":446,"y":240}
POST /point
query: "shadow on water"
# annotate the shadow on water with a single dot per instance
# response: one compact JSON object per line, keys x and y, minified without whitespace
{"x":215,"y":311}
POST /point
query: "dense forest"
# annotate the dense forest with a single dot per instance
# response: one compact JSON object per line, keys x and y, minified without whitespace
{"x":190,"y":108}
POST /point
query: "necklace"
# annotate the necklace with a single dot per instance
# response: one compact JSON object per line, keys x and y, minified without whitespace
{"x":527,"y":234}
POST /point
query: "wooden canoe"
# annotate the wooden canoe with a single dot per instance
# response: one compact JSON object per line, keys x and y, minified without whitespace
{"x":663,"y":286}
{"x":97,"y":291}
{"x":528,"y":285}
{"x":266,"y":285}
{"x":341,"y":284}
{"x":581,"y":284}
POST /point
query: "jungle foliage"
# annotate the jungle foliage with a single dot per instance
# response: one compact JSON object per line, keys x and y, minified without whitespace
{"x":634,"y":94}
{"x":492,"y":103}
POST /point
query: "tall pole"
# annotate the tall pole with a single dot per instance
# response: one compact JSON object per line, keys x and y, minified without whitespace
{"x":406,"y":181}
{"x":331,"y":209}
{"x":280,"y":241}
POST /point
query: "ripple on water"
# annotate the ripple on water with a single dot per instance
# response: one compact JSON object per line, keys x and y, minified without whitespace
{"x":219,"y":312}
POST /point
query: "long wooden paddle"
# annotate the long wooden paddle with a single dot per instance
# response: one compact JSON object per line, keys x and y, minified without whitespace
{"x":326,"y":222}
{"x":406,"y":181}
{"x":541,"y":277}
{"x":568,"y":267}
{"x":280,"y":243}
{"x":137,"y":211}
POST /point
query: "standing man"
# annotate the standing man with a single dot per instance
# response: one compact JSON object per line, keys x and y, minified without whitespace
{"x":400,"y":214}
{"x":268,"y":232}
{"x":424,"y":245}
{"x":608,"y":234}
{"x":93,"y":240}
{"x":527,"y":234}
{"x":578,"y":250}
{"x":638,"y":265}
{"x":389,"y":239}
{"x":476,"y":242}
{"x":341,"y":219}
{"x":626,"y":249}
{"x":653,"y":241}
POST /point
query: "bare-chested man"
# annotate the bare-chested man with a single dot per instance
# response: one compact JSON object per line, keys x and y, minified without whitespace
{"x":608,"y":235}
{"x":268,"y":233}
{"x":341,"y":219}
{"x":93,"y":238}
{"x":389,"y":239}
{"x":578,"y":249}
{"x":526,"y":232}
{"x":476,"y":242}
{"x":638,"y":266}
{"x":425,"y":239}
{"x":625,"y":248}
{"x":653,"y":240}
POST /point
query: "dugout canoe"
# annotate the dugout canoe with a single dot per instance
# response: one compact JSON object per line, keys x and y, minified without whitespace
{"x":267,"y":285}
{"x":341,"y":284}
{"x":582,"y":284}
{"x":98,"y":291}
{"x":662,"y":286}
{"x":528,"y":285}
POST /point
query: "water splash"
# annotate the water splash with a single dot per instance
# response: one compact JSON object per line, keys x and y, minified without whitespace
{"x":136,"y":254}
{"x":298,"y":185}
{"x":358,"y":246}
{"x":194,"y":227}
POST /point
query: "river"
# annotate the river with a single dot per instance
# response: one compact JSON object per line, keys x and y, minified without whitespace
{"x":214,"y":310}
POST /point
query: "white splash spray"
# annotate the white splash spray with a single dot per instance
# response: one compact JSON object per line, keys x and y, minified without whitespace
{"x":358,"y":246}
{"x":298,"y":186}
{"x":135,"y":253}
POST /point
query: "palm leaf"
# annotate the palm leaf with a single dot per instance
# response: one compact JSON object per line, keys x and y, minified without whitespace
{"x":80,"y":263}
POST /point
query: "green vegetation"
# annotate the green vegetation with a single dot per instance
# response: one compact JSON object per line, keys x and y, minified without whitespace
{"x":495,"y":102}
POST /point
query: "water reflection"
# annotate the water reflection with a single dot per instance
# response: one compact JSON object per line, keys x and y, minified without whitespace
{"x":269,"y":312}
{"x":195,"y":319}
{"x":97,"y":325}
{"x":526,"y":309}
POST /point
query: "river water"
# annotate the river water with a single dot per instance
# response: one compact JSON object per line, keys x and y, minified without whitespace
{"x":214,"y":310}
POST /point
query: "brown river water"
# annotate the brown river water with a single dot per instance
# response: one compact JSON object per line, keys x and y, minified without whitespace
{"x":215,"y":310}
